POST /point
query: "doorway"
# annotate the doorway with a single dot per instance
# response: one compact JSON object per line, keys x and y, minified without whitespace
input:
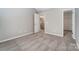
{"x":68,"y":22}
{"x":39,"y":23}
{"x":42,"y":23}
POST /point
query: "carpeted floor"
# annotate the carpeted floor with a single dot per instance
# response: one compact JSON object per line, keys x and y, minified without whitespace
{"x":40,"y":42}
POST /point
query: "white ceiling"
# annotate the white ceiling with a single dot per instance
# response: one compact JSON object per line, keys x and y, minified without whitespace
{"x":42,"y":9}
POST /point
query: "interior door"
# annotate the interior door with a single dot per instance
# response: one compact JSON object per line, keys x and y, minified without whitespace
{"x":36,"y":23}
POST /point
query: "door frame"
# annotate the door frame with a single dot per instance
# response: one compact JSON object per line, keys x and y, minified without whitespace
{"x":73,"y":22}
{"x":44,"y":23}
{"x":35,"y":23}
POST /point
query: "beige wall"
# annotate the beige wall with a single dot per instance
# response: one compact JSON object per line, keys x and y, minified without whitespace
{"x":15,"y":22}
{"x":53,"y":21}
{"x":77,"y":23}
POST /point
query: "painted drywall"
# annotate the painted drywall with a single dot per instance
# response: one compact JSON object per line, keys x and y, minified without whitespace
{"x":15,"y":22}
{"x":53,"y":21}
{"x":77,"y":26}
{"x":67,"y":9}
{"x":68,"y":20}
{"x":77,"y":23}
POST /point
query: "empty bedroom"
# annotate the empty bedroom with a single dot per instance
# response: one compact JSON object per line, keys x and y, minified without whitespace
{"x":37,"y":29}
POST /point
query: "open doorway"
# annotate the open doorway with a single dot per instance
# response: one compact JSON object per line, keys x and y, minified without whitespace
{"x":68,"y":22}
{"x":39,"y":23}
{"x":42,"y":23}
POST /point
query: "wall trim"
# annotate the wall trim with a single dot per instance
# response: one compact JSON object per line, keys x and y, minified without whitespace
{"x":77,"y":43}
{"x":73,"y":36}
{"x":55,"y":34}
{"x":15,"y":37}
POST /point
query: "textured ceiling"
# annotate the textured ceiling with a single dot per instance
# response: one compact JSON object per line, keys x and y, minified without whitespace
{"x":42,"y":9}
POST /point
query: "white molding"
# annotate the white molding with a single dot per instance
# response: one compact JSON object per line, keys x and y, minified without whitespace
{"x":15,"y":37}
{"x":55,"y":34}
{"x":73,"y":25}
{"x":73,"y":36}
{"x":77,"y":43}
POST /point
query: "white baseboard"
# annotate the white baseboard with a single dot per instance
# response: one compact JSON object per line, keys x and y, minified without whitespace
{"x":73,"y":36}
{"x":77,"y":43}
{"x":15,"y":37}
{"x":55,"y":34}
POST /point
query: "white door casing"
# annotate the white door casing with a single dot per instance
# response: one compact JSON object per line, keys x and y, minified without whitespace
{"x":73,"y":24}
{"x":36,"y":23}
